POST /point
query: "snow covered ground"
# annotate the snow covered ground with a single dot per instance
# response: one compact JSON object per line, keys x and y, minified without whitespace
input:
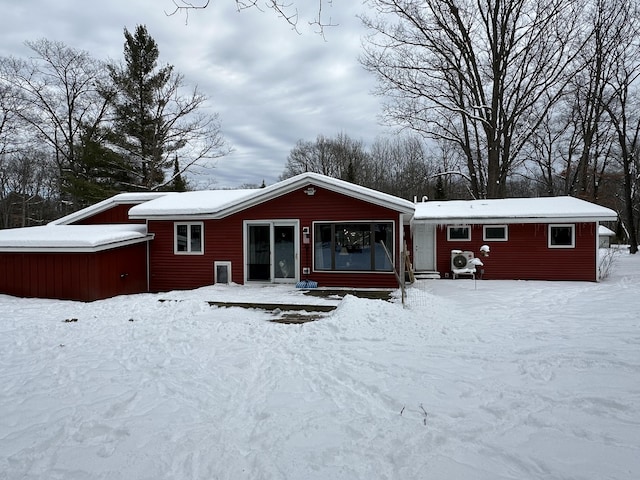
{"x":472,"y":380}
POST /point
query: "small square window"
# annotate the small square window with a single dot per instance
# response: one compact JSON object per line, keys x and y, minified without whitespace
{"x":495,"y":233}
{"x":562,"y":236}
{"x":459,"y":233}
{"x":188,"y":238}
{"x":222,"y":272}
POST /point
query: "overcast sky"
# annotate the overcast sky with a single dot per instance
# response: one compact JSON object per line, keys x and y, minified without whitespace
{"x":270,"y":85}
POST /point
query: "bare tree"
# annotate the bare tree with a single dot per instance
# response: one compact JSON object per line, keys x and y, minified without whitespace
{"x":340,"y":157}
{"x":590,"y":93}
{"x":59,"y":87}
{"x":288,"y":11}
{"x":624,"y":113}
{"x":12,"y":133}
{"x":401,"y":166}
{"x":25,"y":189}
{"x":479,"y":74}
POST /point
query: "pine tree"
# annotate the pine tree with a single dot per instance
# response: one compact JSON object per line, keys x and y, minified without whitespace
{"x":139,"y":129}
{"x":440,"y":193}
{"x":178,"y":184}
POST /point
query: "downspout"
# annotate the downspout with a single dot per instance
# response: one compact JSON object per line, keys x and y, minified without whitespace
{"x":597,"y":250}
{"x":148,"y":267}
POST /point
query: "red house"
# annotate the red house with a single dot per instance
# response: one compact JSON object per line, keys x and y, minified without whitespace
{"x":309,"y":227}
{"x":550,"y":238}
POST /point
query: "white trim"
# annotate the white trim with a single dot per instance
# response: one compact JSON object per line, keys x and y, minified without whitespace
{"x":449,"y":239}
{"x":217,"y":264}
{"x":484,"y":233}
{"x":508,"y":220}
{"x":175,"y":238}
{"x":562,"y":225}
{"x":77,"y":249}
{"x":282,"y":222}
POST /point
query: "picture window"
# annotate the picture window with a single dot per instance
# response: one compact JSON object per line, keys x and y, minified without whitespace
{"x":353,"y":246}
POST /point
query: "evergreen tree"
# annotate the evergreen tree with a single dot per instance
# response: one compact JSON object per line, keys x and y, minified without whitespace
{"x":138,"y":98}
{"x":97,"y":174}
{"x":440,"y":193}
{"x":178,"y":183}
{"x":153,"y":120}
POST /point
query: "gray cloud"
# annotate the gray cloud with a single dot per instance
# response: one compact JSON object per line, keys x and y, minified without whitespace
{"x":270,"y":85}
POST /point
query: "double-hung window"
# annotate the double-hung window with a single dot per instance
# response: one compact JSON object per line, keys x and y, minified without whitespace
{"x":189,"y":238}
{"x":356,"y":246}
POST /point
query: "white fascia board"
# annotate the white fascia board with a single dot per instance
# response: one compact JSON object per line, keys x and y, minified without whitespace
{"x":511,"y":220}
{"x":76,"y":249}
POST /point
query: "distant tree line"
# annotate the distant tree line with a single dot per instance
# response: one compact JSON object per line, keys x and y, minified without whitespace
{"x":75,"y":130}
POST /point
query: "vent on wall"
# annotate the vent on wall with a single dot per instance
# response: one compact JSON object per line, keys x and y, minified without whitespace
{"x":221,"y":272}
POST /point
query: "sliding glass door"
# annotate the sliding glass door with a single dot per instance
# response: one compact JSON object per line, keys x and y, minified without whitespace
{"x":272,"y":251}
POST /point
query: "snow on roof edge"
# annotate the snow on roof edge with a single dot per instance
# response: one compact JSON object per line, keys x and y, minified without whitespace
{"x":71,"y":238}
{"x":160,"y":208}
{"x":509,"y":210}
{"x":133,"y":198}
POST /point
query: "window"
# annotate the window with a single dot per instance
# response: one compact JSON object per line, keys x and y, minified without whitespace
{"x":562,"y":236}
{"x":353,"y":246}
{"x":222,"y":272}
{"x":495,"y":233}
{"x":460,"y":233}
{"x":188,"y":238}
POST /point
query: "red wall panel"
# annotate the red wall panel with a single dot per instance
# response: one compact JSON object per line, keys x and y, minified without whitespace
{"x":74,"y":276}
{"x":117,"y":214}
{"x":526,"y":255}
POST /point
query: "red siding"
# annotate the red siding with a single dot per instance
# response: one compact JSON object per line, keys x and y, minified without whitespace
{"x":116,"y":214}
{"x":525,"y":255}
{"x":74,"y":276}
{"x":224,"y":241}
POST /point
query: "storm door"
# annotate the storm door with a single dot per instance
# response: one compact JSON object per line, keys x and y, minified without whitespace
{"x":424,"y":247}
{"x":272,"y":252}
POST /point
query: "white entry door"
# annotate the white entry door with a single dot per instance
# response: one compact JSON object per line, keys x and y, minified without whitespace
{"x":424,"y":247}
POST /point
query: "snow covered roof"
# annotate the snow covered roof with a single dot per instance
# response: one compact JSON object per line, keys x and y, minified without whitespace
{"x":221,"y":203}
{"x":512,"y":210}
{"x":119,"y":199}
{"x":71,"y":238}
{"x":199,"y":203}
{"x":605,"y":232}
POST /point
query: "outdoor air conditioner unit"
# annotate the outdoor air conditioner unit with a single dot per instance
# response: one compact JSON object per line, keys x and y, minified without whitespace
{"x":461,"y":259}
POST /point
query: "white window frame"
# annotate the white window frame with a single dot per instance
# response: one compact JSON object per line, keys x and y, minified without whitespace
{"x":504,"y":239}
{"x":226,"y":264}
{"x":572,"y":226}
{"x":175,"y":238}
{"x":468,"y":239}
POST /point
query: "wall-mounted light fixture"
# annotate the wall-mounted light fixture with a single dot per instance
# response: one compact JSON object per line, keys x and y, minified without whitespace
{"x":310,"y":191}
